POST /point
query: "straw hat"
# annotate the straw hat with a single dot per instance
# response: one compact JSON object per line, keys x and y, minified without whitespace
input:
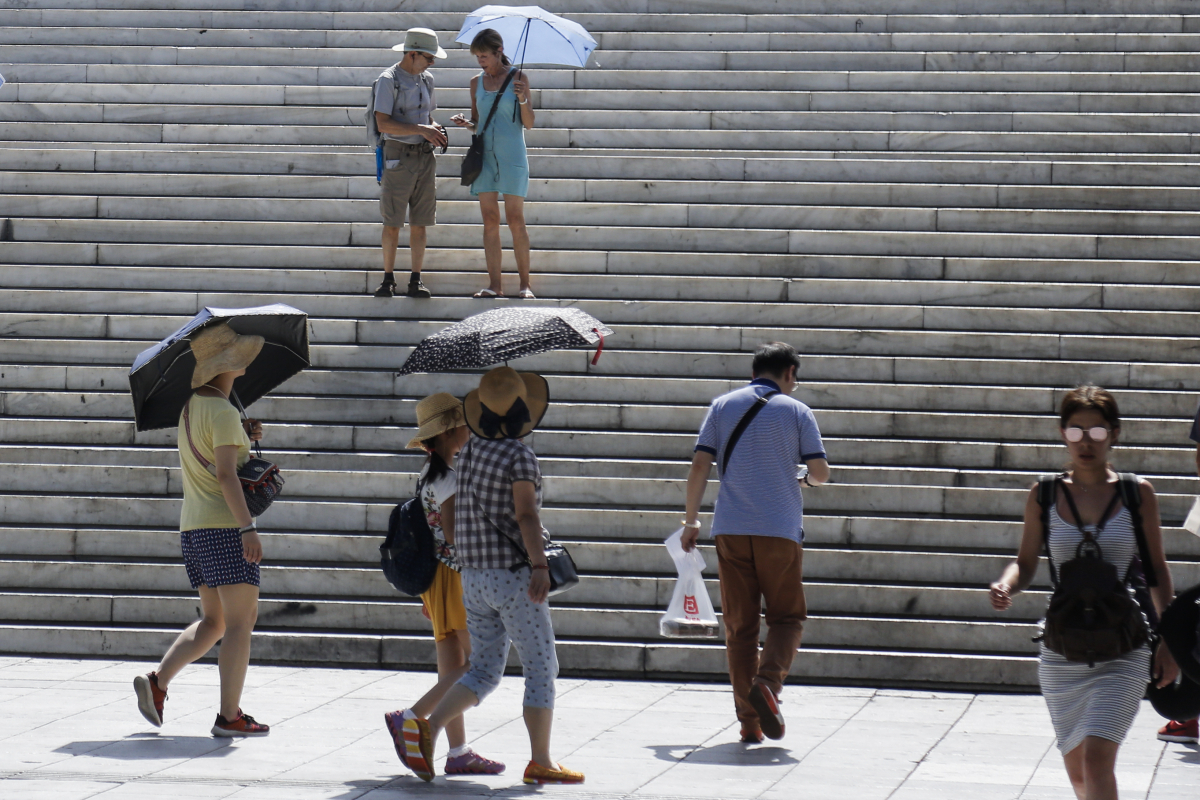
{"x":436,"y":414}
{"x":423,"y":40}
{"x":219,"y":348}
{"x":507,"y":405}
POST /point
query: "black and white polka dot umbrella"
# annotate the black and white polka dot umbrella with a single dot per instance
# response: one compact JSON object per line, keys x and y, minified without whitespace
{"x":504,"y":334}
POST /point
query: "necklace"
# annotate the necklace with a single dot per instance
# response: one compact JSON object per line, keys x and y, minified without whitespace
{"x":215,"y":389}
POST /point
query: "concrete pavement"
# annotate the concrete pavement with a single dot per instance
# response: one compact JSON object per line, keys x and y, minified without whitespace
{"x":71,"y":730}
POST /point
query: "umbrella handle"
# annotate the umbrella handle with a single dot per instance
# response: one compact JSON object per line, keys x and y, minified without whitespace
{"x":599,"y":347}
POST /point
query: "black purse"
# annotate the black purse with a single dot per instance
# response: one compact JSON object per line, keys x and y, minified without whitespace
{"x":563,"y":574}
{"x":261,"y":480}
{"x":472,"y":163}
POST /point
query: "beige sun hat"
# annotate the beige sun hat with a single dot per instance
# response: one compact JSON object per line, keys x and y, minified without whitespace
{"x":219,"y":348}
{"x":436,"y":414}
{"x":507,"y":405}
{"x":423,"y":40}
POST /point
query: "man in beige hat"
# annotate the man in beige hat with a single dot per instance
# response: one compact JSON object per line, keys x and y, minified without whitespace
{"x":404,"y":107}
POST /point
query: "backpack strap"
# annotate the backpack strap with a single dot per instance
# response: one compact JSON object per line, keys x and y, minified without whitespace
{"x":1046,"y":491}
{"x":1130,"y":491}
{"x":743,"y":423}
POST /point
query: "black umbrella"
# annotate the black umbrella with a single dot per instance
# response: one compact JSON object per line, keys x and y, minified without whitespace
{"x":494,"y":337}
{"x":161,"y":377}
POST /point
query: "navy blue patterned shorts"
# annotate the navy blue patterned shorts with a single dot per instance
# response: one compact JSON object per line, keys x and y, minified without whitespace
{"x":213,"y":557}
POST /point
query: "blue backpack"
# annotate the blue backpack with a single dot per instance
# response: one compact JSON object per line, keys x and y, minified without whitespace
{"x":407,"y":555}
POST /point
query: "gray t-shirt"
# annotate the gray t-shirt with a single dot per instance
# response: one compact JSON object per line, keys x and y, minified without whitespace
{"x":413,"y":104}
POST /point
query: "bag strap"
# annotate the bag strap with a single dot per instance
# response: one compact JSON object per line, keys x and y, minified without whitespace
{"x":187,"y":427}
{"x":1130,"y":491}
{"x":1046,"y":491}
{"x":744,"y":423}
{"x":496,"y":104}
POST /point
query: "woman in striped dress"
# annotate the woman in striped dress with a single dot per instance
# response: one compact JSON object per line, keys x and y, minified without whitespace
{"x":1092,"y":707}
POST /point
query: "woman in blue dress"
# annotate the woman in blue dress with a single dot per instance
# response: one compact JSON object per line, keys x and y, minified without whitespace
{"x":505,"y":164}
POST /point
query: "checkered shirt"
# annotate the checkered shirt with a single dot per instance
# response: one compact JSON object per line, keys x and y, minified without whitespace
{"x":487,"y":469}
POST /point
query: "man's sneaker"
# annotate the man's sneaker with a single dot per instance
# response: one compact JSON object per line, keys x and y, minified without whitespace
{"x":418,"y":290}
{"x":150,"y":698}
{"x":387,"y":288}
{"x":471,"y":763}
{"x":395,"y":725}
{"x":1183,"y":732}
{"x":766,"y":704}
{"x":418,"y":743}
{"x":536,"y":773}
{"x":751,"y":735}
{"x":242,"y":725}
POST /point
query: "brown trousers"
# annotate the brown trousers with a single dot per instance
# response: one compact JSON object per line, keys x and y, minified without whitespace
{"x":754,"y":569}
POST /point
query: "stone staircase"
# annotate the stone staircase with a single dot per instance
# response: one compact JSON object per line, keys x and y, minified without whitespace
{"x":954,"y":208}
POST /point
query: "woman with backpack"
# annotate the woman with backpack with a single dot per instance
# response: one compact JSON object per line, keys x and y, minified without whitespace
{"x":1093,"y":693}
{"x":441,"y":433}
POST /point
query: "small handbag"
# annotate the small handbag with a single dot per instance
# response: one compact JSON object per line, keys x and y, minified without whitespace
{"x":261,"y":480}
{"x":472,"y":163}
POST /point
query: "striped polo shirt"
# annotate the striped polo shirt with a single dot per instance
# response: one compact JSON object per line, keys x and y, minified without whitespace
{"x":759,"y":493}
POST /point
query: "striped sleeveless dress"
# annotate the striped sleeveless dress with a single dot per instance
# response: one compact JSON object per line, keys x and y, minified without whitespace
{"x":1101,"y":700}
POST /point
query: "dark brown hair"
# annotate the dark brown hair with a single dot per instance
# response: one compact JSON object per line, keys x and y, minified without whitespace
{"x":1089,"y":398}
{"x":489,"y":41}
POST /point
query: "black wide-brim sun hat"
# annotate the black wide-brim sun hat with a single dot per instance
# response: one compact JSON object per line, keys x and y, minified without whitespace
{"x":1180,"y":701}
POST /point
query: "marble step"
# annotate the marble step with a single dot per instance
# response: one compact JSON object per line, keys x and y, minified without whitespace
{"x":762,"y":98}
{"x":342,"y":174}
{"x":575,"y":657}
{"x":1063,"y":144}
{"x":906,"y":215}
{"x":751,"y":7}
{"x":611,"y":22}
{"x":609,"y":79}
{"x":676,"y":203}
{"x":862,"y":241}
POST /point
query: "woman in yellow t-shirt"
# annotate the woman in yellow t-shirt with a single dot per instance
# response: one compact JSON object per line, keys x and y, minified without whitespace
{"x":221,"y":548}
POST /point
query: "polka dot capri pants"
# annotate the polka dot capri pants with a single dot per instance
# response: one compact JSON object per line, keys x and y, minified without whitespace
{"x":499,"y":612}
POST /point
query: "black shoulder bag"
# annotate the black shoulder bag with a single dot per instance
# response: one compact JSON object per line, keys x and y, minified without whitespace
{"x":744,"y":423}
{"x":472,"y":163}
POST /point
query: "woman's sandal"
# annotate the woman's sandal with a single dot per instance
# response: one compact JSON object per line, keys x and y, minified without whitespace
{"x":527,"y":294}
{"x":488,"y":294}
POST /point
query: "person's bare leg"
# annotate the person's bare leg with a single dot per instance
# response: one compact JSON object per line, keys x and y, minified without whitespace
{"x":489,"y":209}
{"x":390,"y":241}
{"x":458,"y":700}
{"x":539,"y":721}
{"x":196,"y":640}
{"x":240,"y":601}
{"x":1099,"y":768}
{"x":1074,"y":764}
{"x":514,"y":212}
{"x":453,"y":654}
{"x":416,"y":246}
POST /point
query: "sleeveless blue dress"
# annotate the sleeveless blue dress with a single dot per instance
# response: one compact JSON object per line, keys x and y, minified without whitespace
{"x":505,"y":163}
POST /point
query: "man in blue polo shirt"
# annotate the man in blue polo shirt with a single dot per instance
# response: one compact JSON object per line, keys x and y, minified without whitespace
{"x":758,"y":524}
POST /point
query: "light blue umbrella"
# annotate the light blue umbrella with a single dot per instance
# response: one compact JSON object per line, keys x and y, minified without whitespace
{"x":532,"y":35}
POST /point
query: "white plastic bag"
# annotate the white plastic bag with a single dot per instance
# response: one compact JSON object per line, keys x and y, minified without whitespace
{"x":690,"y":614}
{"x":1192,"y":523}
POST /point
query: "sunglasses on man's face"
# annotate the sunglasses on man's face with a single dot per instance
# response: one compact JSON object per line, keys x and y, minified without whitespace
{"x":1075,"y":433}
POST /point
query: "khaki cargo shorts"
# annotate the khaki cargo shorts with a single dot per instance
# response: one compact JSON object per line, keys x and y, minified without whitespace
{"x":409,"y":181}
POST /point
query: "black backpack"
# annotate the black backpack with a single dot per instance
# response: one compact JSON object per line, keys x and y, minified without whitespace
{"x":1091,"y":616}
{"x":407,"y":555}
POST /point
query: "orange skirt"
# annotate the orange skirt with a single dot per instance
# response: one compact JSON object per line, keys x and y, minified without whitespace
{"x":444,"y":603}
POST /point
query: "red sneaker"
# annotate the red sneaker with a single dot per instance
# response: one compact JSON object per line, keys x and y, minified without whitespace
{"x":751,"y":735}
{"x":242,"y":725}
{"x":150,"y":698}
{"x":1182,"y":732}
{"x":766,"y":704}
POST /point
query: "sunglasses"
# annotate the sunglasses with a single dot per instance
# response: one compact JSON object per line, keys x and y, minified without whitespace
{"x":1096,"y":434}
